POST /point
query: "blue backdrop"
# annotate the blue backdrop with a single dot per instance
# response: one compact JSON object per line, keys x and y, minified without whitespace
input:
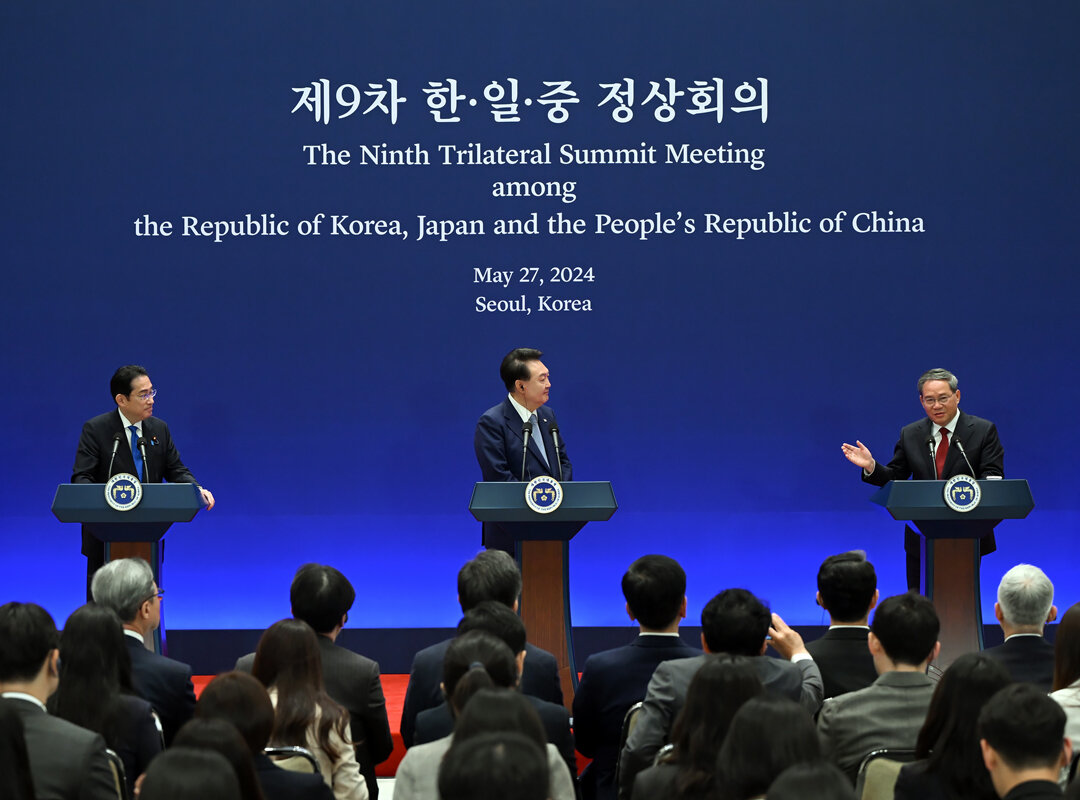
{"x":325,"y":386}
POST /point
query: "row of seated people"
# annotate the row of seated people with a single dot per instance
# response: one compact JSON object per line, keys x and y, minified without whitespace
{"x":657,"y":666}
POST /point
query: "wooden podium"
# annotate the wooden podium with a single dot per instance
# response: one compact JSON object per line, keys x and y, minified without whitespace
{"x":950,"y":564}
{"x":130,"y":534}
{"x":543,"y":545}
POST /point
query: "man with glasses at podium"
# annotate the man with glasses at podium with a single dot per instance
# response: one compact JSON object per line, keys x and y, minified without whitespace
{"x":110,"y":443}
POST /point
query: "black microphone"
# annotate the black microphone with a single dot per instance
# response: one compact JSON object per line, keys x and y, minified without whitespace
{"x":555,"y":441}
{"x":963,"y":452}
{"x":526,"y":432}
{"x":115,"y":444}
{"x":145,"y":464}
{"x":933,"y":455}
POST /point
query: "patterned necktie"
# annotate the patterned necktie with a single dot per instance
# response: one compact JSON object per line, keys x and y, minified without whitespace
{"x":135,"y":450}
{"x":942,"y":453}
{"x":539,"y":439}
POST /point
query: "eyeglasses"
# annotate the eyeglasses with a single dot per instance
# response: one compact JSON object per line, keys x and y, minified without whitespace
{"x":938,"y":401}
{"x":158,"y":594}
{"x":148,"y":395}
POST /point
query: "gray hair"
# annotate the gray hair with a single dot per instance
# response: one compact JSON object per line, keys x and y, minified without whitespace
{"x":938,"y":375}
{"x":1025,"y":595}
{"x":123,"y":585}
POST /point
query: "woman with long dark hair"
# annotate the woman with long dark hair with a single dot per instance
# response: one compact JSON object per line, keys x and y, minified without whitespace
{"x":951,"y":763}
{"x":288,"y":664}
{"x":1066,"y":688}
{"x":96,"y":692}
{"x":767,"y":735}
{"x":717,"y":691}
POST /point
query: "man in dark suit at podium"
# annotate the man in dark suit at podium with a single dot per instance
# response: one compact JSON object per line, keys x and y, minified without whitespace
{"x":1025,"y":603}
{"x":935,"y":448}
{"x":500,"y":433}
{"x":119,"y":431}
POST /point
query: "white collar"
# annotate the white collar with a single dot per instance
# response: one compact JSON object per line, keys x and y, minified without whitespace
{"x":127,"y":423}
{"x":135,"y":635}
{"x":523,"y":412}
{"x":24,"y":696}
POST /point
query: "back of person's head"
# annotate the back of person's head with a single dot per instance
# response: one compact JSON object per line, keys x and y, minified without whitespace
{"x":16,"y":781}
{"x":735,"y":622}
{"x":498,"y":620}
{"x":907,"y":627}
{"x":219,"y":736}
{"x":1024,"y":726}
{"x":478,"y":650}
{"x":716,"y":692}
{"x":654,"y":588}
{"x":95,"y":667}
{"x":123,"y":585}
{"x":1067,"y":649}
{"x":491,"y":575}
{"x":767,"y":735}
{"x":813,"y":781}
{"x":947,"y":737}
{"x":1025,"y":596}
{"x":239,"y":699}
{"x":499,"y":711}
{"x":186,"y":773}
{"x":321,"y":596}
{"x":288,"y":657}
{"x":495,"y":766}
{"x":846,"y":583}
{"x":27,"y":636}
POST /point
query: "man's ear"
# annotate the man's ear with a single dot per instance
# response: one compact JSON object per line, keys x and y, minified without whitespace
{"x":874,"y":600}
{"x":935,"y":652}
{"x":53,"y":661}
{"x":630,"y":613}
{"x":682,"y":608}
{"x":817,"y":599}
{"x":873,"y":644}
{"x":704,"y":646}
{"x":990,"y":758}
{"x":997,"y":613}
{"x":764,"y":646}
{"x":520,"y":659}
{"x":1052,"y":615}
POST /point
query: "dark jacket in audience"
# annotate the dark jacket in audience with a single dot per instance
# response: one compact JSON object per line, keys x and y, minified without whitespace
{"x":282,"y":784}
{"x":844,"y":660}
{"x":915,"y":783}
{"x":1029,"y":659}
{"x":165,"y":684}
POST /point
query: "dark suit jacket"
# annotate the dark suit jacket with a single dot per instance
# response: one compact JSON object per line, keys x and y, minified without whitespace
{"x":911,"y":457}
{"x":915,"y":783}
{"x":435,"y":723}
{"x":353,"y":681}
{"x":1034,"y":790}
{"x":67,"y":762}
{"x":165,"y":684}
{"x":540,"y":679}
{"x":611,"y":682}
{"x":95,"y":450}
{"x":844,"y":660}
{"x":137,"y":740}
{"x":282,"y":784}
{"x":1029,"y":659}
{"x":498,"y":444}
{"x":666,"y":694}
{"x":658,"y":783}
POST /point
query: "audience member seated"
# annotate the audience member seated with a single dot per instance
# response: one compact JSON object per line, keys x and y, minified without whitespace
{"x":494,"y":766}
{"x":813,"y":781}
{"x":1022,"y":735}
{"x":492,"y":575}
{"x":287,"y":663}
{"x":96,"y":691}
{"x":951,"y":765}
{"x":613,"y":680}
{"x":716,"y":692}
{"x":127,"y":587}
{"x":15,"y":780}
{"x":321,"y":596}
{"x":890,"y":712}
{"x":219,"y":736}
{"x":734,"y":622}
{"x":847,"y":589}
{"x":66,"y":761}
{"x":1025,"y":603}
{"x":184,"y":773}
{"x":496,"y":619}
{"x":767,"y":735}
{"x":239,"y":699}
{"x":475,"y":662}
{"x":1067,"y":672}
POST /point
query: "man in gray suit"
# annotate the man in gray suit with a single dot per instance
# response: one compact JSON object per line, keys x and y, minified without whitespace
{"x":321,"y":596}
{"x":66,"y":761}
{"x":733,"y":622}
{"x":889,"y":713}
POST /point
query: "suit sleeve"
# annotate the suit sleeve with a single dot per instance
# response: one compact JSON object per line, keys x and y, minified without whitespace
{"x":813,"y":688}
{"x":586,"y":716}
{"x":650,"y":731}
{"x":87,"y":458}
{"x":992,"y":457}
{"x":174,"y":469}
{"x":491,"y":451}
{"x":380,"y":742}
{"x":98,"y":781}
{"x":899,"y":469}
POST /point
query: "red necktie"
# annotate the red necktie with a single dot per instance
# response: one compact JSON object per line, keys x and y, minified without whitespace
{"x":942,"y":453}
